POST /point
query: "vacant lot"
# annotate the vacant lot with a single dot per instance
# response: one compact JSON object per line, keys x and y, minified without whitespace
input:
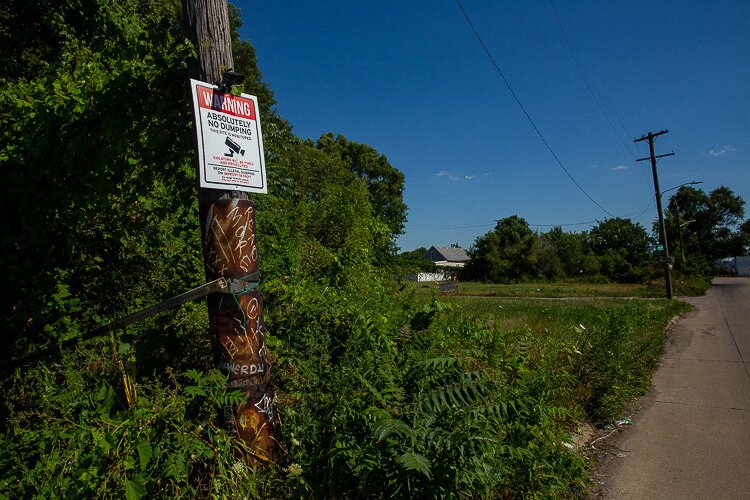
{"x":688,"y":286}
{"x":557,"y":310}
{"x":595,"y":346}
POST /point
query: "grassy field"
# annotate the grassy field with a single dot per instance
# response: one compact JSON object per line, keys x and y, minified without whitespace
{"x":686,"y":286}
{"x":622,"y":333}
{"x":545,"y":317}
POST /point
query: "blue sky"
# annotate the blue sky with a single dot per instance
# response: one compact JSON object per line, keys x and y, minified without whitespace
{"x":412,"y":80}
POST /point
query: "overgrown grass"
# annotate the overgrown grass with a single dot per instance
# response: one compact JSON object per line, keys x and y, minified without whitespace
{"x":682,"y":285}
{"x":619,"y":341}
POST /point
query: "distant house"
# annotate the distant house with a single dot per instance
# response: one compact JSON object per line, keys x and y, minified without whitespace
{"x":447,"y":256}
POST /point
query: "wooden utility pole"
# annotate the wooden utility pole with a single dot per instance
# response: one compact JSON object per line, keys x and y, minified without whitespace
{"x":230,"y":251}
{"x":666,"y":260}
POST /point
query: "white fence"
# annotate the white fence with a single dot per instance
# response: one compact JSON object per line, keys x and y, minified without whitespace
{"x":439,"y":276}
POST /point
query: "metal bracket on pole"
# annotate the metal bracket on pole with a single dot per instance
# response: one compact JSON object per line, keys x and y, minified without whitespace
{"x":240,"y":286}
{"x":657,"y":156}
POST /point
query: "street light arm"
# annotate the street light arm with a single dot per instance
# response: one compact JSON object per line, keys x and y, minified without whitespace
{"x":693,"y":183}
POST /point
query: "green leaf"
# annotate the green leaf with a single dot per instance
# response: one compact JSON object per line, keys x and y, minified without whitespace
{"x":62,"y":292}
{"x":414,"y":461}
{"x":102,"y":393}
{"x":135,"y":488}
{"x":176,"y":466}
{"x":144,"y":454}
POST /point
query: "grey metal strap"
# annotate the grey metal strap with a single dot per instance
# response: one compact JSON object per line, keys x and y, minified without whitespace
{"x":219,"y":285}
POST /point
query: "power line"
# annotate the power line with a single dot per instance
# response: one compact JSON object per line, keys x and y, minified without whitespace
{"x":635,"y":215}
{"x":593,"y":94}
{"x":585,"y":81}
{"x":630,"y":215}
{"x":490,"y":223}
{"x":461,"y":226}
{"x":528,"y":117}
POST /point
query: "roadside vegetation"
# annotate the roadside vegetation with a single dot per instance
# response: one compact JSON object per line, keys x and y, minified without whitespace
{"x":686,"y":285}
{"x":382,"y":390}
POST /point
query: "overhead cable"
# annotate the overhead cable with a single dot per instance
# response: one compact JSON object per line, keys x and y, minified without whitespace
{"x":523,"y":109}
{"x":585,"y":81}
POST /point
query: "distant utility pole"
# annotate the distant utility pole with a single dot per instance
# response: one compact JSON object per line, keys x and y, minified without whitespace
{"x":230,"y":251}
{"x":666,"y":260}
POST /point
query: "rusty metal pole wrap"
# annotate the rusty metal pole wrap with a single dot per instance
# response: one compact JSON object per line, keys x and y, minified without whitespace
{"x":236,"y":325}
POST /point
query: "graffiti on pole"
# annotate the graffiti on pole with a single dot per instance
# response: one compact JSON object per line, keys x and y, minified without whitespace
{"x":237,"y":324}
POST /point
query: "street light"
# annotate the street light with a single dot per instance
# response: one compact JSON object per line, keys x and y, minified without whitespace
{"x":677,"y":215}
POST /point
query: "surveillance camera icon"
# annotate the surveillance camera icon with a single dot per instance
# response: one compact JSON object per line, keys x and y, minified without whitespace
{"x":233,"y":148}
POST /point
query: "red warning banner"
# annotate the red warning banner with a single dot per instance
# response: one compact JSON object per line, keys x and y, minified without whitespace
{"x":226,"y":103}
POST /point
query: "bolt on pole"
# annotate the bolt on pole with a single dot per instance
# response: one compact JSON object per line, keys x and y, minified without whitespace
{"x":663,"y":230}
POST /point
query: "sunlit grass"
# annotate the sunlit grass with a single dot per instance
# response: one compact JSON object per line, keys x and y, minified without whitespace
{"x":682,"y":285}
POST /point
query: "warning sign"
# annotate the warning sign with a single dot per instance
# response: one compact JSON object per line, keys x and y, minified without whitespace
{"x":230,"y":143}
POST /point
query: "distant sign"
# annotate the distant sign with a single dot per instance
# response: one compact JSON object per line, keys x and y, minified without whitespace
{"x":230,"y":142}
{"x":660,"y":248}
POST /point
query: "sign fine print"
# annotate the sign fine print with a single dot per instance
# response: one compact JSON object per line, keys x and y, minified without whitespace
{"x":230,"y":144}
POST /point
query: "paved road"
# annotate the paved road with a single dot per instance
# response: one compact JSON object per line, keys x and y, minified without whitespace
{"x":692,"y":437}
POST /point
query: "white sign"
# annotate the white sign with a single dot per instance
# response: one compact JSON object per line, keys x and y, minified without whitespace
{"x":230,"y":143}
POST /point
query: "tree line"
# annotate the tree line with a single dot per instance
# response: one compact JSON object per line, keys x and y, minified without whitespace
{"x":615,"y":249}
{"x":701,"y":226}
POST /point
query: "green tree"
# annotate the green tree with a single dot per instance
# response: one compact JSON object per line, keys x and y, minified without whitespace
{"x":505,"y":254}
{"x":713,"y":231}
{"x":745,"y":236}
{"x":622,"y":247}
{"x":548,"y":263}
{"x":384,"y":182}
{"x":98,"y":169}
{"x":569,"y":248}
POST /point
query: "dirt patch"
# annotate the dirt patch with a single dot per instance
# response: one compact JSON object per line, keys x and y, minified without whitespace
{"x":604,"y":450}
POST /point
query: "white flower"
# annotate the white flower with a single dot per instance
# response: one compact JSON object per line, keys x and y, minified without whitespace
{"x":238,"y":467}
{"x":294,"y":470}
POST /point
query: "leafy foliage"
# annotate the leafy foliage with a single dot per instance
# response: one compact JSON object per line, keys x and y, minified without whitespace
{"x":623,"y":249}
{"x":710,"y":224}
{"x":615,"y":249}
{"x":385,"y":184}
{"x":412,"y":262}
{"x":377,"y":392}
{"x":505,"y":254}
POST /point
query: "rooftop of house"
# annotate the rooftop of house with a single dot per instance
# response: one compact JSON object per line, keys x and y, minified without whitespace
{"x":450,"y":254}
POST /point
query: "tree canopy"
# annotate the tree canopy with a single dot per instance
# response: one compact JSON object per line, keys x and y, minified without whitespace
{"x":711,"y":223}
{"x":623,"y":248}
{"x":615,"y":249}
{"x":384,"y":182}
{"x":504,"y":254}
